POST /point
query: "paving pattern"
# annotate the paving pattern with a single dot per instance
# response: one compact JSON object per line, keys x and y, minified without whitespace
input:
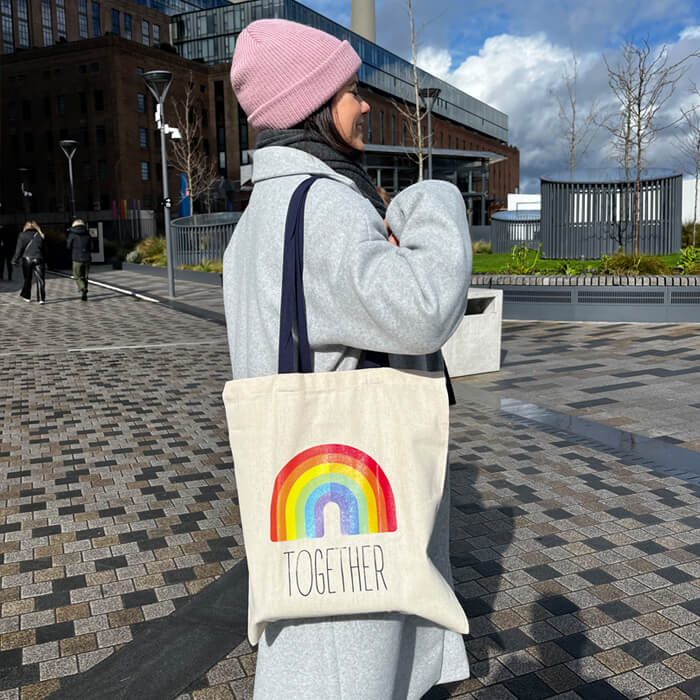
{"x":642,"y":378}
{"x":578,"y":566}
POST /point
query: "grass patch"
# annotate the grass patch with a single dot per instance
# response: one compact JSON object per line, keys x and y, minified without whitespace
{"x":498,"y":263}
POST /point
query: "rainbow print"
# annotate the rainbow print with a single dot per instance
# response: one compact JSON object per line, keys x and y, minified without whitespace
{"x":340,"y":474}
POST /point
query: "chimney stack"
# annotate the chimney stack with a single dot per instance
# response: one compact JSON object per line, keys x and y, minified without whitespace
{"x":362,"y":19}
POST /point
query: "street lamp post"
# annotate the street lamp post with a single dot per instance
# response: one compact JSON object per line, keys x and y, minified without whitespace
{"x":158,"y":82}
{"x":69,"y":147}
{"x":429,"y":95}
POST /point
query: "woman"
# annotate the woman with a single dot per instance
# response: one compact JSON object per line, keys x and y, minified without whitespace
{"x":31,"y":249}
{"x":299,"y":88}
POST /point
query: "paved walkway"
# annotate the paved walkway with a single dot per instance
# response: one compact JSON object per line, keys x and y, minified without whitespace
{"x":578,"y":562}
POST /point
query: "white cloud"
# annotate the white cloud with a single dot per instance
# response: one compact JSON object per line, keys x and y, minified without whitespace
{"x":435,"y":61}
{"x":522,"y":75}
{"x":690,"y":33}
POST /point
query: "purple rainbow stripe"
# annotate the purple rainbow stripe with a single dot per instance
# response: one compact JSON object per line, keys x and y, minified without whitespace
{"x":346,"y":501}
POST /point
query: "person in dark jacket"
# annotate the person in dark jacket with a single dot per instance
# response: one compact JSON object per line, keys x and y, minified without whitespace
{"x":79,"y":244}
{"x":31,"y":250}
{"x":8,"y":239}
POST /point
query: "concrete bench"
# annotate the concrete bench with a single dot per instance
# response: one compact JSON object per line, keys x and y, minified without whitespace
{"x":475,"y":347}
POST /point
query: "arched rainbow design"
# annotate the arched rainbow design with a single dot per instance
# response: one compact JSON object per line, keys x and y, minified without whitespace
{"x":341,"y":474}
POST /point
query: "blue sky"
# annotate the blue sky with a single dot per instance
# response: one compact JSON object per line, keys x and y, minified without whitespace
{"x":512,"y":54}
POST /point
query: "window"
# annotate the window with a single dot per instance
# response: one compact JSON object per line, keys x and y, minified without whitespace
{"x":205,"y":117}
{"x":156,"y":35}
{"x":61,"y":104}
{"x":145,"y":33}
{"x":403,"y":135}
{"x":139,"y":70}
{"x":87,"y":172}
{"x":141,"y":103}
{"x":28,"y":142}
{"x":99,"y":101}
{"x":26,"y":110}
{"x":116,"y":28}
{"x":100,"y":135}
{"x":381,"y":127}
{"x":127,"y":26}
{"x":8,"y":34}
{"x":368,"y":129}
{"x":82,"y":68}
{"x":46,"y":24}
{"x":145,"y":171}
{"x":393,"y":129}
{"x":22,"y":24}
{"x":102,"y":169}
{"x":96,"y":26}
{"x":82,"y":19}
{"x":143,"y":137}
{"x":61,"y":18}
{"x":47,"y":106}
{"x":94,"y":67}
{"x":12,"y":111}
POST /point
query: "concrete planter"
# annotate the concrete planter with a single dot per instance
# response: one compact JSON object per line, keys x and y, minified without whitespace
{"x":475,"y":347}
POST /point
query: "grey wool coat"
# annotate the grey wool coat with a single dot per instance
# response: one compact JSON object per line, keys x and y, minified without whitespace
{"x":361,"y":292}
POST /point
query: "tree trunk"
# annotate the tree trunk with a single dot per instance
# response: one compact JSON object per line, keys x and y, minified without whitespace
{"x":695,"y":206}
{"x":416,"y":88}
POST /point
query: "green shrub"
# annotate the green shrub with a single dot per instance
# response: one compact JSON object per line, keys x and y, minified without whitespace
{"x":206,"y":266}
{"x":480,"y":247}
{"x":624,"y":264}
{"x":689,"y":261}
{"x":152,"y":251}
{"x":523,"y":260}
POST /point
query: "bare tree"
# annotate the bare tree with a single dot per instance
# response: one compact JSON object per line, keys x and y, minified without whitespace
{"x":188,"y":153}
{"x":578,"y":130}
{"x":642,"y":82}
{"x":688,"y":145}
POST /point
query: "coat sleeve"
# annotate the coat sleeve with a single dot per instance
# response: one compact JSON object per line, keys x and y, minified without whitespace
{"x":69,"y":241}
{"x":19,"y":249}
{"x":361,"y":291}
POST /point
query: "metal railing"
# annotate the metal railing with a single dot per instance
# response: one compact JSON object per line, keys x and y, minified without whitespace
{"x":594,"y":213}
{"x":202,"y":237}
{"x":511,"y":228}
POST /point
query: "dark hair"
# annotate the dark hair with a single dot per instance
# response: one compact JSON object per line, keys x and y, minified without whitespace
{"x":321,"y":123}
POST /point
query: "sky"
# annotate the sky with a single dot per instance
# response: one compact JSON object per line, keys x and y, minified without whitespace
{"x":512,"y":55}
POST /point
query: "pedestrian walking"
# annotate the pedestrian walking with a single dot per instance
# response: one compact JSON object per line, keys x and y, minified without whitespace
{"x":31,"y":251}
{"x":78,"y":243}
{"x":8,"y":239}
{"x":299,"y":88}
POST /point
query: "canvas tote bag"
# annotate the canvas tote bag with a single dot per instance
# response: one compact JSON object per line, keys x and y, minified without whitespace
{"x":340,"y":476}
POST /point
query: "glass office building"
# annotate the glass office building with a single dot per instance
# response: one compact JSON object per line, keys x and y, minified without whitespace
{"x":175,"y":7}
{"x":210,"y":36}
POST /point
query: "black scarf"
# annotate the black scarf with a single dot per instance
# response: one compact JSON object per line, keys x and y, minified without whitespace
{"x":314,"y":145}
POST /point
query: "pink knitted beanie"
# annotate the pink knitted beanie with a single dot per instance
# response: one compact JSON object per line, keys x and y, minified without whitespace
{"x":283,"y":71}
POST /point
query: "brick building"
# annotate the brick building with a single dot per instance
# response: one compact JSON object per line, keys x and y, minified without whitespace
{"x":72,"y":69}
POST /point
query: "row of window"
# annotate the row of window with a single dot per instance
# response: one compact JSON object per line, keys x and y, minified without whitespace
{"x":97,"y":98}
{"x":150,"y":34}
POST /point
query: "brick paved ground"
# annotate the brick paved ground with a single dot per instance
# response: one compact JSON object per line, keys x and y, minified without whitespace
{"x":579,"y":568}
{"x":642,"y":378}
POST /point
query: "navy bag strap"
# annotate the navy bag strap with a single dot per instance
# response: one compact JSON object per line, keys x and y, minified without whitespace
{"x":295,"y":353}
